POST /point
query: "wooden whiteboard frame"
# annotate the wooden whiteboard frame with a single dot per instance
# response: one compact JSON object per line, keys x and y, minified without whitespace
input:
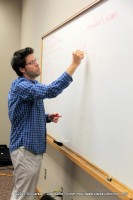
{"x":123,"y":192}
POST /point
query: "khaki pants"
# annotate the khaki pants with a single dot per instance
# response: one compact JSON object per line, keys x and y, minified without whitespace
{"x":26,"y":172}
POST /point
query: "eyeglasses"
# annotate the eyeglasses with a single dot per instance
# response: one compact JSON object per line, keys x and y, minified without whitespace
{"x":33,"y":62}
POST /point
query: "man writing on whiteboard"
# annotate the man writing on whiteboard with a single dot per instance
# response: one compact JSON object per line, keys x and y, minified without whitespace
{"x":28,"y":118}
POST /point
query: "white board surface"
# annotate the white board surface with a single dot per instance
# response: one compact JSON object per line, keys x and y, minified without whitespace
{"x":97,"y":108}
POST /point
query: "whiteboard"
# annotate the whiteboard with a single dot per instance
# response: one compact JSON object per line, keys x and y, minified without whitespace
{"x":97,"y":108}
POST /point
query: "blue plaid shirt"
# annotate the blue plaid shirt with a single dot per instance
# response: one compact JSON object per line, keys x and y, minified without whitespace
{"x":27,"y":113}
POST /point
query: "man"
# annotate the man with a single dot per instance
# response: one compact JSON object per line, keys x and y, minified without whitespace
{"x":28,"y":118}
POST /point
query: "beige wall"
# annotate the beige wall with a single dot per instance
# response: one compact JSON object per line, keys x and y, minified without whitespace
{"x":10,"y":33}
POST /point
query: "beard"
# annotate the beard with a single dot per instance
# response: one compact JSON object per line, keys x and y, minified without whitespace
{"x":32,"y":74}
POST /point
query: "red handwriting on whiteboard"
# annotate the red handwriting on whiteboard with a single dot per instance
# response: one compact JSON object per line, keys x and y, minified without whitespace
{"x":102,"y":20}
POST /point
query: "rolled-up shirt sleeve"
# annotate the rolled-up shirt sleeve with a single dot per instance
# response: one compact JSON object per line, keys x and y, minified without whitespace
{"x":29,"y":91}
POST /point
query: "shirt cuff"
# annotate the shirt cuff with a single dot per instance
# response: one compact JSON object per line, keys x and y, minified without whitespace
{"x":47,"y":118}
{"x":67,"y":77}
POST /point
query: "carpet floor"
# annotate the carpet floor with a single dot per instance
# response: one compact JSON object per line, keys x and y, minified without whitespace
{"x":6,"y":182}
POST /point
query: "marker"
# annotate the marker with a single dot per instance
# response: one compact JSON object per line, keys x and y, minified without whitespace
{"x":109,"y":179}
{"x":58,"y":143}
{"x":56,"y":115}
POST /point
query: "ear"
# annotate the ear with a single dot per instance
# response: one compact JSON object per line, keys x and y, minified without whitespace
{"x":22,"y":70}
